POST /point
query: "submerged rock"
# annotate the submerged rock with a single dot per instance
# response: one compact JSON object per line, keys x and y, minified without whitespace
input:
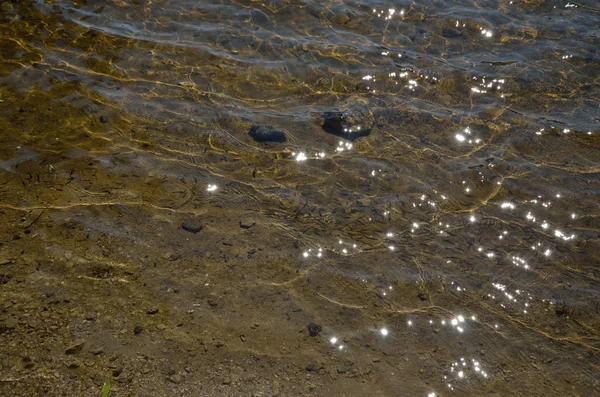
{"x":314,"y":329}
{"x":192,"y":226}
{"x":351,"y":122}
{"x":266,"y":133}
{"x":247,"y":223}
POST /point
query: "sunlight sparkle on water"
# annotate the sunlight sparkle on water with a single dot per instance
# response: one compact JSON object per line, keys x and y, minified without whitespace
{"x":345,"y":145}
{"x":507,"y":204}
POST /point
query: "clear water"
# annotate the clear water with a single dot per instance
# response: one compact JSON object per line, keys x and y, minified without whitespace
{"x":454,"y":250}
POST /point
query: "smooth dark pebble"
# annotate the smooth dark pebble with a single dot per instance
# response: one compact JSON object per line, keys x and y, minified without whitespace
{"x":266,"y":133}
{"x":314,"y":329}
{"x":192,"y":226}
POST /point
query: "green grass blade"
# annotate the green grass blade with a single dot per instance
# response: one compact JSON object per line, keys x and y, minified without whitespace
{"x":105,"y":389}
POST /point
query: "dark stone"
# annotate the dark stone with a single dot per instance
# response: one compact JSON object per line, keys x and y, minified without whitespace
{"x":314,"y":329}
{"x":450,"y":33}
{"x":137,"y":330}
{"x":192,"y":225}
{"x":212,"y":300}
{"x":118,"y":371}
{"x":103,"y":119}
{"x":28,"y":363}
{"x":352,"y":122}
{"x":562,"y":309}
{"x":312,"y":367}
{"x":266,"y":133}
{"x":344,"y":369}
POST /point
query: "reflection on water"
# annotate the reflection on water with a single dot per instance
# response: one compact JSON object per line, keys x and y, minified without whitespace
{"x":419,"y":182}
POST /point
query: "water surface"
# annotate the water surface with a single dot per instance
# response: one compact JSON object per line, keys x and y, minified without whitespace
{"x":453,"y":250}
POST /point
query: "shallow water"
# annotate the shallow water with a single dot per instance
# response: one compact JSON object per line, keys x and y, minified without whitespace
{"x":454,"y":250}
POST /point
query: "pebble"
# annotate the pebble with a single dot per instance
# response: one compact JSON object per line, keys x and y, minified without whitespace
{"x":72,"y":365}
{"x":353,"y":121}
{"x":314,"y":329}
{"x":33,"y":323}
{"x":75,"y":347}
{"x":266,"y":133}
{"x":175,"y":378}
{"x":10,"y":323}
{"x":247,"y":223}
{"x":97,"y":350}
{"x":192,"y":226}
{"x":212,"y":300}
{"x":170,"y":256}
